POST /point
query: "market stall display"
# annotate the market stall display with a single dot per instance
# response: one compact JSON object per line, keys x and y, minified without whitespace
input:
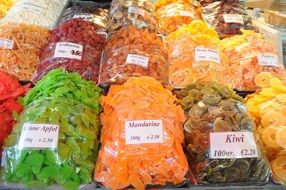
{"x":125,"y":13}
{"x":89,"y":11}
{"x":249,"y":54}
{"x":10,"y":91}
{"x":5,"y":5}
{"x":19,"y":48}
{"x":132,"y":156}
{"x":133,"y":52}
{"x":172,"y":14}
{"x":44,"y":13}
{"x":195,"y":55}
{"x":220,"y":144}
{"x":76,"y":46}
{"x":227,"y":17}
{"x":268,"y":107}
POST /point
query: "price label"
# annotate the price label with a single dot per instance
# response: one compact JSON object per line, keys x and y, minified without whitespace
{"x":68,"y":50}
{"x":207,"y":54}
{"x":39,"y":136}
{"x":6,"y":43}
{"x":226,"y":145}
{"x":268,"y":60}
{"x":31,"y":7}
{"x":137,"y":60}
{"x":84,"y":16}
{"x":144,"y":131}
{"x":136,"y":10}
{"x":233,"y":18}
{"x":186,"y":13}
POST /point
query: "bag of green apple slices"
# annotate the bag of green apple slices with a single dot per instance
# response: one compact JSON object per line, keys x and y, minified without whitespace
{"x":220,"y":144}
{"x":54,"y":142}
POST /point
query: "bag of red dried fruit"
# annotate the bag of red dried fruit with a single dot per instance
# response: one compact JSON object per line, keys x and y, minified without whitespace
{"x":75,"y":46}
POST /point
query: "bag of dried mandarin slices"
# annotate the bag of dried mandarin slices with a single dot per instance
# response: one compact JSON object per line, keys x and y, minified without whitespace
{"x":268,"y":107}
{"x":220,"y":144}
{"x":195,"y":56}
{"x":249,"y":54}
{"x":171,"y":14}
{"x":141,"y":142}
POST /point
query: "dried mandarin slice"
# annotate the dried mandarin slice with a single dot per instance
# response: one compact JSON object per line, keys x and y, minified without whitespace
{"x":273,"y":118}
{"x":270,"y":92}
{"x":279,"y":168}
{"x":262,"y":79}
{"x":281,"y":98}
{"x":268,"y":137}
{"x":281,"y":137}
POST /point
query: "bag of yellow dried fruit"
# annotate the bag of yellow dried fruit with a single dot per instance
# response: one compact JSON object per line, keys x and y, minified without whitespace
{"x":195,"y":56}
{"x":172,"y":14}
{"x":250,"y":54}
{"x":5,"y":6}
{"x":142,"y":137}
{"x":268,"y":106}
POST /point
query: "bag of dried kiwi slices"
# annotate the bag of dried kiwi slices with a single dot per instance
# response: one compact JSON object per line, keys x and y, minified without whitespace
{"x":220,"y":144}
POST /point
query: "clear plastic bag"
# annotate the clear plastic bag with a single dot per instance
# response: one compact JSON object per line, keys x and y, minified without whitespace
{"x":249,"y":54}
{"x":138,"y":13}
{"x":45,"y":13}
{"x":64,"y":154}
{"x":171,"y":15}
{"x":227,"y":17}
{"x":268,"y":108}
{"x":220,"y":144}
{"x":74,"y":49}
{"x":196,"y":56}
{"x":19,"y":48}
{"x":133,"y":52}
{"x":89,"y":11}
{"x":136,"y":128}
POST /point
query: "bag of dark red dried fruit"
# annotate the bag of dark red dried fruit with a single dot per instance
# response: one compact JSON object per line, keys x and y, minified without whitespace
{"x":75,"y":46}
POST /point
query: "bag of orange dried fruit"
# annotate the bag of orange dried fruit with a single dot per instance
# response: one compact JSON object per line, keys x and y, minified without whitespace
{"x":141,"y":141}
{"x":195,"y":56}
{"x":268,"y":107}
{"x":133,"y":52}
{"x":249,"y":54}
{"x":172,"y":14}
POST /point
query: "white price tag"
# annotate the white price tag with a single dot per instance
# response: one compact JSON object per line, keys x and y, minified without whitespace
{"x":186,"y":13}
{"x":39,"y":136}
{"x":137,"y":60}
{"x":233,"y":18}
{"x":206,"y":54}
{"x":84,"y":16}
{"x":31,"y":7}
{"x":136,"y":10}
{"x":267,"y":60}
{"x":68,"y":50}
{"x":226,"y":145}
{"x":144,"y":131}
{"x":6,"y":43}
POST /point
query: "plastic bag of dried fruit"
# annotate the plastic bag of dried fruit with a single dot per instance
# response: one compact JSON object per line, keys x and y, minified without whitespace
{"x":220,"y":144}
{"x":45,"y":13}
{"x":145,"y":146}
{"x":19,"y":48}
{"x":268,"y":108}
{"x":89,"y":11}
{"x":195,"y":55}
{"x":133,"y":52}
{"x":172,"y":14}
{"x":75,"y":46}
{"x":249,"y":54}
{"x":138,"y":13}
{"x":227,"y":17}
{"x":54,"y":142}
